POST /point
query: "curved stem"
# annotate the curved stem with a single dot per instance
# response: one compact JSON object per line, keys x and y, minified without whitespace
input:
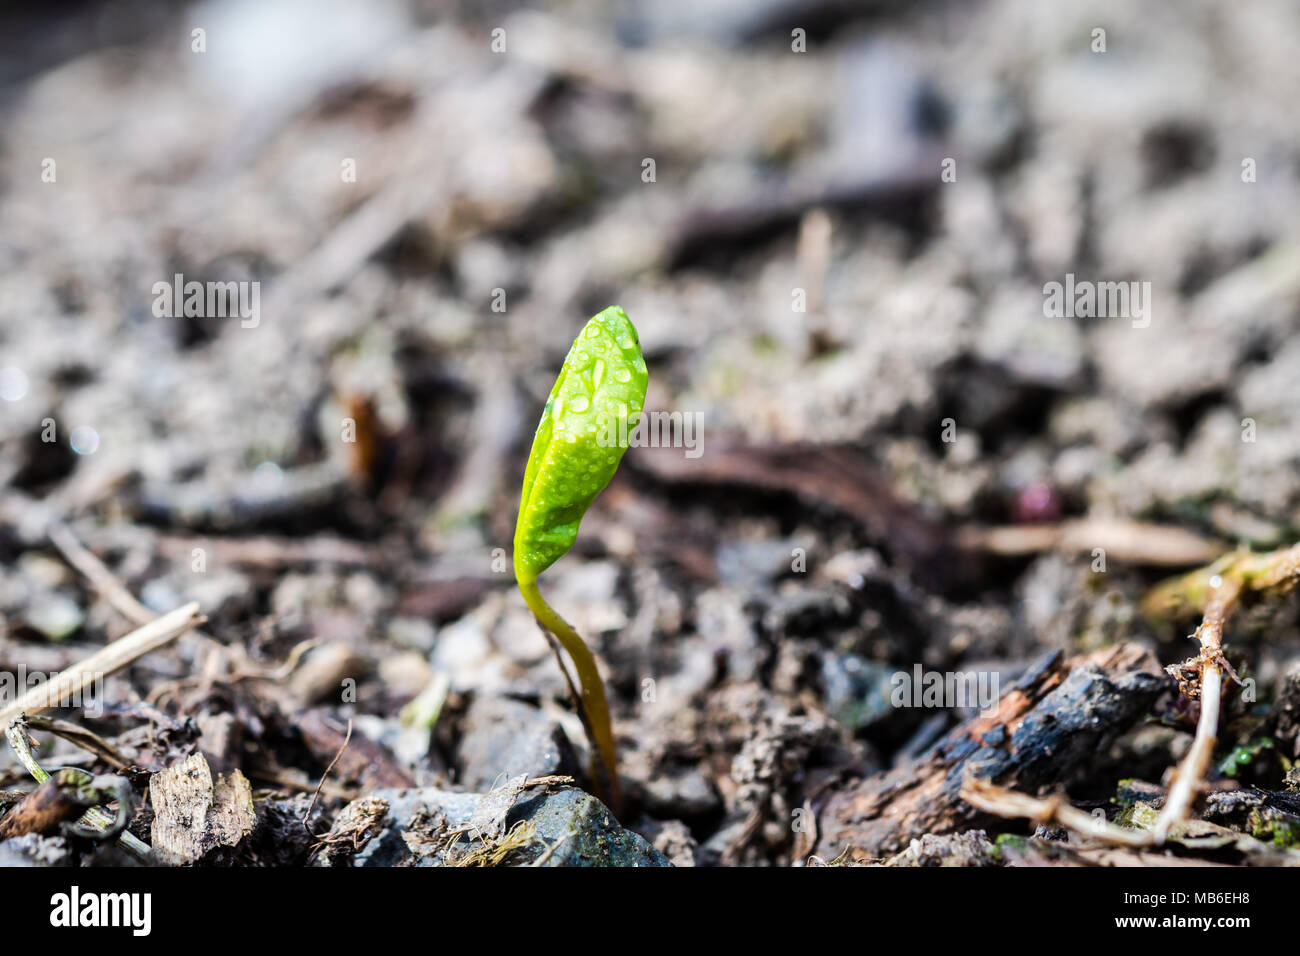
{"x":593,"y":690}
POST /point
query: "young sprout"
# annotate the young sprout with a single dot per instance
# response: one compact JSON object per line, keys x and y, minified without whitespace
{"x":593,"y":407}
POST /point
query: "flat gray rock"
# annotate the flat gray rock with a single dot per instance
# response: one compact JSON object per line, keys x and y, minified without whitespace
{"x":570,"y":828}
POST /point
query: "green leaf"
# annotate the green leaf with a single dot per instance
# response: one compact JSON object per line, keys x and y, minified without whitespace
{"x":593,"y":408}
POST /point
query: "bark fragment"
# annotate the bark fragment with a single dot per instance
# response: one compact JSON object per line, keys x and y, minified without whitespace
{"x":1048,"y":724}
{"x":194,"y":814}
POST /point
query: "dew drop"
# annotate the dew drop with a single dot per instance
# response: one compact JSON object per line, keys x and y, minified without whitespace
{"x":579,"y":404}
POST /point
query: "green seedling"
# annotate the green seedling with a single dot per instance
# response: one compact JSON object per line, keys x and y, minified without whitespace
{"x":595,"y":404}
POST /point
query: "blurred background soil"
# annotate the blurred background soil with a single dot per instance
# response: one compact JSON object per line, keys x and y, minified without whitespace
{"x":751,"y":604}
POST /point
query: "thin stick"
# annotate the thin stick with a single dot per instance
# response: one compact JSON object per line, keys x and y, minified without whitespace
{"x":1192,"y":770}
{"x":326,"y":775}
{"x":85,"y":739}
{"x":104,"y":580}
{"x":98,"y":574}
{"x":73,"y":680}
{"x":1128,"y":541}
{"x":1002,"y":802}
{"x":549,"y":851}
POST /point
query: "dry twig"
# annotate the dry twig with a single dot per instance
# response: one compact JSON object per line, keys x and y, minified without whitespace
{"x":122,"y":652}
{"x":325,"y":776}
{"x":1208,"y":662}
{"x":1003,"y":802}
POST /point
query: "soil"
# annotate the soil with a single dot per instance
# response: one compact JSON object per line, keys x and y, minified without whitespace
{"x":836,"y":228}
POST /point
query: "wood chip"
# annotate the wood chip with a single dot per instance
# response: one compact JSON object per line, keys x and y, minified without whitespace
{"x":194,"y":815}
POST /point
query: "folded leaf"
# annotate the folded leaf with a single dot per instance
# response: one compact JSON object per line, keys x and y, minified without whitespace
{"x":594,"y":406}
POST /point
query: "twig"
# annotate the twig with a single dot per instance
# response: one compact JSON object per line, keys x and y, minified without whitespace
{"x":295,"y":780}
{"x":104,"y":580}
{"x":1002,"y":802}
{"x":550,"y":780}
{"x":98,"y":574}
{"x":354,"y":239}
{"x":73,"y":680}
{"x":1127,"y":541}
{"x":347,"y":739}
{"x":85,"y":739}
{"x":1218,"y":588}
{"x":1274,"y":571}
{"x":549,"y":851}
{"x":270,"y":553}
{"x":1191,"y":771}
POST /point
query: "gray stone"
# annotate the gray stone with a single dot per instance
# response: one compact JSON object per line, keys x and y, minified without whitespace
{"x":572,"y":828}
{"x":592,"y":837}
{"x":804,"y":610}
{"x":506,"y":737}
{"x":672,"y":838}
{"x":681,"y":791}
{"x":55,"y":615}
{"x":748,"y":566}
{"x":857,"y":690}
{"x":35,"y":850}
{"x":389,"y":846}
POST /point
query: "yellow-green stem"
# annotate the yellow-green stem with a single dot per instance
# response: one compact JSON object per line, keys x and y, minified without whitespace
{"x":593,"y":690}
